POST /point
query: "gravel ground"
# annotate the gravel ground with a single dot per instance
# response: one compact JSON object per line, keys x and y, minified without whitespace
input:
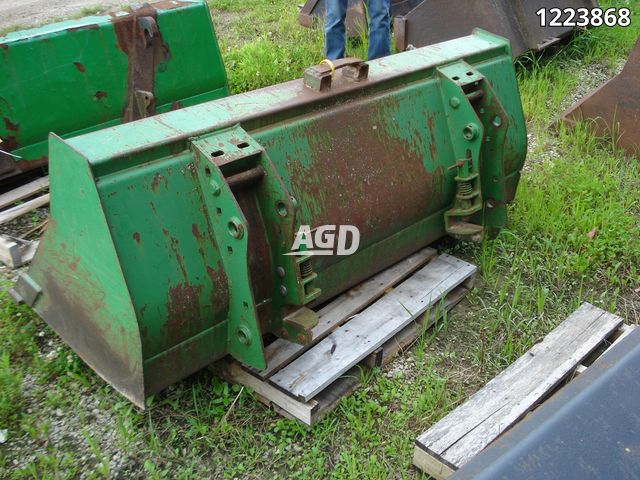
{"x":30,"y":13}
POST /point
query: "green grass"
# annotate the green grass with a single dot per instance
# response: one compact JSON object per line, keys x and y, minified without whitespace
{"x":574,"y":236}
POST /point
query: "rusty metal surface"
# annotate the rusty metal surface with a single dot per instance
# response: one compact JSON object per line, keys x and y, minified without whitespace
{"x":140,"y":39}
{"x":434,"y":21}
{"x":614,"y":109}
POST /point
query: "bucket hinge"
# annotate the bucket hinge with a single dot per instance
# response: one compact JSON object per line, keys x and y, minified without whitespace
{"x":232,"y":159}
{"x":472,"y":109}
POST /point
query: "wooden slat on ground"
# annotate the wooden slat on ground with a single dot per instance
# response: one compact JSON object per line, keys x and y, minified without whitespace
{"x":458,"y":437}
{"x":19,"y":210}
{"x":314,"y":410}
{"x":282,"y":352}
{"x":23,"y":191}
{"x":320,"y":366}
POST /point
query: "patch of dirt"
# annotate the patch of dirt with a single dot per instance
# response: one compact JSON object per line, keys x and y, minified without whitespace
{"x":30,"y":13}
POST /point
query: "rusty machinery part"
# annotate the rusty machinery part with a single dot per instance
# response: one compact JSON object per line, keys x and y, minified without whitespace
{"x":82,"y":75}
{"x":439,"y":20}
{"x":173,"y":248}
{"x":614,"y":109}
{"x":418,"y":23}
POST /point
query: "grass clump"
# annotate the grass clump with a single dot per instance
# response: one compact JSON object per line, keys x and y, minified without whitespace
{"x":10,"y":392}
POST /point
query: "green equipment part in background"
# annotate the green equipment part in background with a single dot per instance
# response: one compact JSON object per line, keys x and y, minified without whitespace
{"x":83,"y":75}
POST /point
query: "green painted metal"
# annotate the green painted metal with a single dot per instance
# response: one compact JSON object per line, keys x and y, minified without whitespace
{"x":176,"y":255}
{"x":79,"y":76}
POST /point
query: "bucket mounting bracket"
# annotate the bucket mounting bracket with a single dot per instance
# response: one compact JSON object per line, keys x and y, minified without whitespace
{"x":230,"y":159}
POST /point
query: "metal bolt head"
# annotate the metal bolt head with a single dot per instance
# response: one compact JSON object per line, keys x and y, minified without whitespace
{"x":471,"y":132}
{"x":280,"y":271}
{"x":454,"y":102}
{"x":215,"y":188}
{"x":244,"y":335}
{"x":236,"y":228}
{"x":283,"y":290}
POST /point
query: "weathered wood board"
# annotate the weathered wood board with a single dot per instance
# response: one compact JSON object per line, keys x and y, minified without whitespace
{"x":19,"y":210}
{"x":320,"y":366}
{"x":436,"y":288}
{"x":458,"y":437}
{"x":313,"y":411}
{"x":23,"y":191}
{"x":281,"y":352}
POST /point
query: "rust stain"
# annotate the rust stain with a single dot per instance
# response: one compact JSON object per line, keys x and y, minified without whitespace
{"x":80,"y":67}
{"x":100,"y":95}
{"x":4,"y":46}
{"x":155,"y":182}
{"x":433,"y":149}
{"x":175,"y":247}
{"x":139,"y":37}
{"x":219,"y":296}
{"x":183,"y":310}
{"x":75,"y":309}
{"x":136,"y":237}
{"x":14,"y":127}
{"x":177,"y":105}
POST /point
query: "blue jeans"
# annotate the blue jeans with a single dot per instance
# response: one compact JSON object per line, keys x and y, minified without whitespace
{"x":379,"y":28}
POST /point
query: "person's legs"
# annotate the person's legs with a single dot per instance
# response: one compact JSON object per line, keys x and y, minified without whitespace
{"x":334,"y":30}
{"x":379,"y":28}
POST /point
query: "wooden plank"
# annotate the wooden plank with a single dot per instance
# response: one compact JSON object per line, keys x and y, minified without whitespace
{"x":282,"y":352}
{"x":517,"y":390}
{"x":312,"y":412}
{"x":19,"y":210}
{"x":403,"y":339}
{"x":431,"y":465}
{"x":23,"y":191}
{"x":302,"y":411}
{"x":351,"y":343}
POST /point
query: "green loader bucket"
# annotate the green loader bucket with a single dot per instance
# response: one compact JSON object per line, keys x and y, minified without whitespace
{"x":83,"y":75}
{"x":186,"y":235}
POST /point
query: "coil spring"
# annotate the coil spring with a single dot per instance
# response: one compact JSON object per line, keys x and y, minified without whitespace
{"x":305,"y":268}
{"x":466,"y":188}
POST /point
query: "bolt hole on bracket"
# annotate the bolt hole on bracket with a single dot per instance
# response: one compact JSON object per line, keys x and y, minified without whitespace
{"x":282,"y":209}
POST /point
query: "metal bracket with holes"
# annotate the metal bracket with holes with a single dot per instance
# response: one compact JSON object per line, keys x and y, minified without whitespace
{"x":477,"y":125}
{"x":227,"y":160}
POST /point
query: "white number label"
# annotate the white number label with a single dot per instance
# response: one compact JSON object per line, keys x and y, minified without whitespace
{"x":584,"y":17}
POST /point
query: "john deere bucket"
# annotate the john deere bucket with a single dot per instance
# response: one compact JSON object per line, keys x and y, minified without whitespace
{"x":177,"y":244}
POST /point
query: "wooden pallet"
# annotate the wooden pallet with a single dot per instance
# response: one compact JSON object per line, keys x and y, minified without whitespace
{"x":9,"y":211}
{"x":363,"y":328}
{"x":509,"y":397}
